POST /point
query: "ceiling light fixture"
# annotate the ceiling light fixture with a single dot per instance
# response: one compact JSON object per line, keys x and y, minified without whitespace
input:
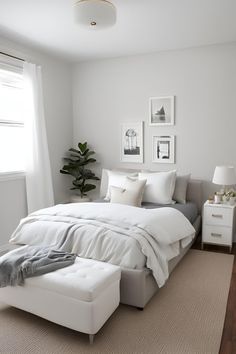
{"x":95,"y":13}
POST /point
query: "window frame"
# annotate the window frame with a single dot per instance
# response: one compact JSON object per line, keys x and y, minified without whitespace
{"x":14,"y":66}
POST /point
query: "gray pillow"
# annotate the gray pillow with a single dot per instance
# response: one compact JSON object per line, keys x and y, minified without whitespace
{"x":180,"y":191}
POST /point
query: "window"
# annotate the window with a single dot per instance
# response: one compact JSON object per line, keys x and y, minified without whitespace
{"x":11,"y":119}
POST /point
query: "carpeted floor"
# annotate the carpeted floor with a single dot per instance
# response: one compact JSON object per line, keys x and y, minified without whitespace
{"x":186,"y":316}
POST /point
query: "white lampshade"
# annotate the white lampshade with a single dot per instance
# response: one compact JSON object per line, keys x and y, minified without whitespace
{"x":95,"y":13}
{"x":224,"y":175}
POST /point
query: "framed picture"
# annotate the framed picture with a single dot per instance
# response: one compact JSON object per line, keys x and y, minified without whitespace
{"x":132,"y":142}
{"x":161,"y":110}
{"x":163,"y":148}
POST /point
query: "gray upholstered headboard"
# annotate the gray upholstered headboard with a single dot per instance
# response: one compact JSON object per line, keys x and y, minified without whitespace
{"x":194,"y":191}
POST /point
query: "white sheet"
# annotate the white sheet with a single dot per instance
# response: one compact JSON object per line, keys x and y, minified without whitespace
{"x":120,"y":234}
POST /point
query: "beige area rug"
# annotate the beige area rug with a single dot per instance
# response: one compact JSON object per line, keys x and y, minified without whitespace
{"x":186,"y":316}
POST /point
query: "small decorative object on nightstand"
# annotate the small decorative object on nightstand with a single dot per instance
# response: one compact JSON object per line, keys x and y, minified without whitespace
{"x":218,"y":197}
{"x":218,"y":224}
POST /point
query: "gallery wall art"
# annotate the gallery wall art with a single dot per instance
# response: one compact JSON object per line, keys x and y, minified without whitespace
{"x":132,"y":142}
{"x":161,"y":111}
{"x":163,"y":149}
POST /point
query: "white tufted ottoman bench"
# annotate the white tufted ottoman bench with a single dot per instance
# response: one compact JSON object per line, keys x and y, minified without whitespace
{"x":81,"y":297}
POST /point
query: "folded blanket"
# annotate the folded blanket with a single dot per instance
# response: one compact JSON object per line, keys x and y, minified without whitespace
{"x":29,"y":261}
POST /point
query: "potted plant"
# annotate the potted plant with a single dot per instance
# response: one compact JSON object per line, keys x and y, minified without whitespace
{"x":230,"y":196}
{"x":76,"y":166}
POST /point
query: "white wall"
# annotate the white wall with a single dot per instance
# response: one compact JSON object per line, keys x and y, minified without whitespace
{"x":13,"y":206}
{"x":108,"y":92}
{"x":56,"y":77}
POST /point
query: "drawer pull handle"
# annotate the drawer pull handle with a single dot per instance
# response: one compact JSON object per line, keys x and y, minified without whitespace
{"x":217,"y":215}
{"x":213,"y":234}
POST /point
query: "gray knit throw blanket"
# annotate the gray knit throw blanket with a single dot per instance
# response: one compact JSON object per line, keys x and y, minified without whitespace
{"x":29,"y":261}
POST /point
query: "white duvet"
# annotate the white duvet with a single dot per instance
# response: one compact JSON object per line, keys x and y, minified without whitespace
{"x":127,"y":236}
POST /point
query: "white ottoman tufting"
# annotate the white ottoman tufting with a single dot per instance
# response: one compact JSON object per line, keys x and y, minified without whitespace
{"x":81,"y":297}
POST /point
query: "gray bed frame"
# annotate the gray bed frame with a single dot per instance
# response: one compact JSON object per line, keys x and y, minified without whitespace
{"x":137,"y":287}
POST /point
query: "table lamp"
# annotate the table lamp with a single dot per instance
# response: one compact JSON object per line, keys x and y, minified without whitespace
{"x":224,"y":175}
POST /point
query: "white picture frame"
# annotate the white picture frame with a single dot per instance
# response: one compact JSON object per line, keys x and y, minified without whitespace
{"x":132,"y":142}
{"x":162,"y":111}
{"x":163,"y":149}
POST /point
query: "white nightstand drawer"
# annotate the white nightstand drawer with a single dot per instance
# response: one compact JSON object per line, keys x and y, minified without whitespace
{"x":218,"y":216}
{"x":219,"y":235}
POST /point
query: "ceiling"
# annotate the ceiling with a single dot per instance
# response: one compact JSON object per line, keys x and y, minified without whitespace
{"x":143,"y":26}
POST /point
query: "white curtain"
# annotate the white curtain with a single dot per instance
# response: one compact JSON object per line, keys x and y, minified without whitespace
{"x":38,"y":171}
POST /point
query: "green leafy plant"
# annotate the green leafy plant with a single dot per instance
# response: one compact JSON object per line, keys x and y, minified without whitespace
{"x":231,"y":193}
{"x":76,"y":167}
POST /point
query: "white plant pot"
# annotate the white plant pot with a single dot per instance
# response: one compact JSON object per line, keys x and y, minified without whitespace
{"x":225,"y":199}
{"x":232,"y":200}
{"x":78,"y":199}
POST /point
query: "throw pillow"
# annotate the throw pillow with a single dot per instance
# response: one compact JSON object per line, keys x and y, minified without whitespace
{"x":180,"y":191}
{"x":130,"y":194}
{"x":116,"y":179}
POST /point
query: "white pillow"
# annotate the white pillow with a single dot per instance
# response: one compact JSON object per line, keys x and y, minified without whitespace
{"x":180,"y":191}
{"x":159,"y":187}
{"x":130,"y":194}
{"x":116,"y":179}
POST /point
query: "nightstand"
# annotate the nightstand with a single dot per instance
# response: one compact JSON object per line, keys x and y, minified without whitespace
{"x":218,"y":224}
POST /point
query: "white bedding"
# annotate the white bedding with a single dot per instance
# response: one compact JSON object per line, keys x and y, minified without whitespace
{"x":119,"y":234}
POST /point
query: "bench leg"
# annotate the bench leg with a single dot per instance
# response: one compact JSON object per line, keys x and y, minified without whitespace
{"x":91,"y":338}
{"x":139,"y":308}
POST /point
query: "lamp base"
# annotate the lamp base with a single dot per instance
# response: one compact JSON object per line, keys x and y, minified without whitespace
{"x":223,"y":190}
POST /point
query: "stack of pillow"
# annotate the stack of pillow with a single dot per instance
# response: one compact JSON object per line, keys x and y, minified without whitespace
{"x":152,"y":187}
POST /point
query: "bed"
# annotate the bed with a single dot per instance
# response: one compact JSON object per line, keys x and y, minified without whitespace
{"x":138,"y":282}
{"x":139,"y":286}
